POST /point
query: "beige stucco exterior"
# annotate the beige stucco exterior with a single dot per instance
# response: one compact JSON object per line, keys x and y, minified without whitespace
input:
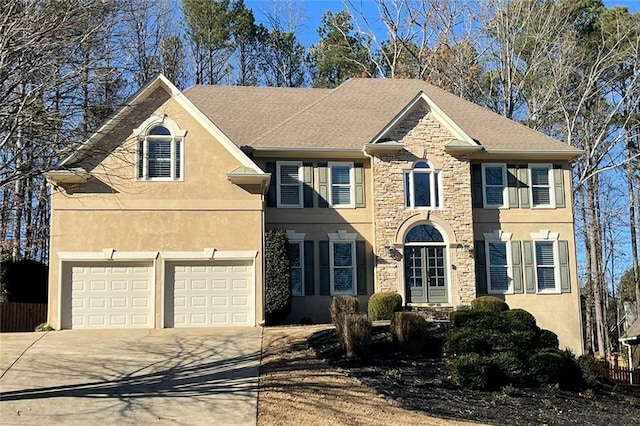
{"x":116,"y":211}
{"x":557,"y":312}
{"x":204,"y":213}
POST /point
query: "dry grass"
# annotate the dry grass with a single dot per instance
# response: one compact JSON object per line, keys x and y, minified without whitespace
{"x":296,"y":388}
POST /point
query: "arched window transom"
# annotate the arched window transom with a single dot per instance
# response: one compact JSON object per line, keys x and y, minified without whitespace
{"x":423,"y":234}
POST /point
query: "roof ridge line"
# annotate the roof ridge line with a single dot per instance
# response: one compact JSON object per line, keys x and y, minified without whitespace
{"x":290,"y":118}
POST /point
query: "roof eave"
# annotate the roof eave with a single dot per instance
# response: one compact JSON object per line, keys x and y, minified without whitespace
{"x":249,"y":178}
{"x":382,"y":147}
{"x":76,"y":175}
{"x":566,"y":155}
{"x":297,"y":152}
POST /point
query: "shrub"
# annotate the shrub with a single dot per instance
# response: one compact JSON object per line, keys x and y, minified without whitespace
{"x":413,"y":333}
{"x":512,"y":369}
{"x":489,"y":304}
{"x":547,"y":339}
{"x":340,"y":307}
{"x":469,"y":340}
{"x":476,"y":372}
{"x":382,"y":305}
{"x":591,"y":371}
{"x":277,"y":276}
{"x":520,"y":320}
{"x":553,"y":366}
{"x":44,"y":327}
{"x":479,"y":320}
{"x":357,"y":335}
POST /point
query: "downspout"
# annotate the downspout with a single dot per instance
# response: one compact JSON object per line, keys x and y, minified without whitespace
{"x":263,"y":192}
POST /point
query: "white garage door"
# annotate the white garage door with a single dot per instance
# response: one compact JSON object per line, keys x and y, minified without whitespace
{"x":114,"y":295}
{"x":213,"y":294}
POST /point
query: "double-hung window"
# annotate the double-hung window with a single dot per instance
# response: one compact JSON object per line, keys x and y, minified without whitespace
{"x":289,"y":175}
{"x":498,"y":267}
{"x":547,"y":277}
{"x":542,"y":193}
{"x":341,"y":185}
{"x":494,"y":188}
{"x":296,"y":258}
{"x":160,"y":152}
{"x":342,"y":254}
{"x":422,"y":187}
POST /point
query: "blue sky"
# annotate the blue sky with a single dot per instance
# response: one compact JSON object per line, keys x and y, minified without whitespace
{"x":313,"y":10}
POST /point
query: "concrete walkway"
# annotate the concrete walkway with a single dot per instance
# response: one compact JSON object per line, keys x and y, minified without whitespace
{"x":130,"y":377}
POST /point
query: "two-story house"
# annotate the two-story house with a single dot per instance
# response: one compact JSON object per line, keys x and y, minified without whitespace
{"x":158,"y":220}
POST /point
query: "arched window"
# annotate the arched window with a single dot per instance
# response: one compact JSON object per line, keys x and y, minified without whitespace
{"x":160,"y":150}
{"x":423,"y":234}
{"x":422,"y":187}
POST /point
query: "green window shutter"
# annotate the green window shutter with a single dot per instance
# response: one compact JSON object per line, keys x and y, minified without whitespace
{"x":309,"y":281}
{"x":361,"y":265}
{"x":323,"y":185}
{"x":512,"y":185}
{"x":516,"y":267}
{"x":481,"y":267}
{"x":476,"y":185}
{"x":563,"y":252}
{"x":523,"y":186}
{"x":529,"y":272}
{"x":307,"y":172}
{"x":140,"y":159}
{"x":271,"y":193}
{"x":558,"y":183}
{"x":358,"y":169}
{"x":325,"y":268}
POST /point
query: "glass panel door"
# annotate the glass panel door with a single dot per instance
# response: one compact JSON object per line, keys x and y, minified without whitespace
{"x":414,"y":274}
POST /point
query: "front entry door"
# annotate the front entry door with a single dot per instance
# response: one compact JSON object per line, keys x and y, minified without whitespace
{"x":424,"y":271}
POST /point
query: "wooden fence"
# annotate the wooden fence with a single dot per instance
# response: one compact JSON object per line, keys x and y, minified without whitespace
{"x":622,"y":375}
{"x":22,"y":316}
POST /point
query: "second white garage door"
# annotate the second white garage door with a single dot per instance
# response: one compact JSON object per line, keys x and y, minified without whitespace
{"x":212,"y":294}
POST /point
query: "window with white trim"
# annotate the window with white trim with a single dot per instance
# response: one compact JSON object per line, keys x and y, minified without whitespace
{"x":541,"y":178}
{"x":160,"y":153}
{"x":341,"y":185}
{"x":498,"y":261}
{"x":296,"y":258}
{"x":342,"y":262}
{"x":546,"y":261}
{"x":494,"y":185}
{"x":289,"y":183}
{"x":422,"y":187}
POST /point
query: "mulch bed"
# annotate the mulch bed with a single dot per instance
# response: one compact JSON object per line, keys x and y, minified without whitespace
{"x":424,"y":384}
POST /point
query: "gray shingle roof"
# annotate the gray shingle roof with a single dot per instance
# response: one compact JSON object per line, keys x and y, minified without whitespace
{"x":349,"y":116}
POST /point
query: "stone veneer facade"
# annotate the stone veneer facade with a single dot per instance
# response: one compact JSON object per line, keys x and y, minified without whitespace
{"x":422,"y":134}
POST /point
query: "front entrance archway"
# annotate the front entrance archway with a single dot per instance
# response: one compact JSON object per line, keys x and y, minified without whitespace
{"x":425,"y":265}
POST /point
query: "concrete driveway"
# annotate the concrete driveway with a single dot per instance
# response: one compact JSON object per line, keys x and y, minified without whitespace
{"x":179,"y":377}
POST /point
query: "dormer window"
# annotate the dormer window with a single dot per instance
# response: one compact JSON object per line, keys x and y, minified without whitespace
{"x":160,"y":150}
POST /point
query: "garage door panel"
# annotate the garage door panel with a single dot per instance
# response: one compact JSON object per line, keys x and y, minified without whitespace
{"x":211,"y":294}
{"x":118,"y":295}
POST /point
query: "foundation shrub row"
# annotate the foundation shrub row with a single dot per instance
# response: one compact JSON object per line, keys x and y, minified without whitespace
{"x":487,"y":347}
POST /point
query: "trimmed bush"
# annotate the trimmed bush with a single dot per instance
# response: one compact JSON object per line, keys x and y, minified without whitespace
{"x":357,"y":335}
{"x":479,"y":320}
{"x":547,"y":339}
{"x":467,"y":340}
{"x":340,"y":307}
{"x":476,"y":372}
{"x":414,"y":334}
{"x":553,"y":366}
{"x":489,"y":304}
{"x":520,"y":320}
{"x":591,"y":371}
{"x":513,"y":370}
{"x":277,"y":290}
{"x":383,"y":305}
